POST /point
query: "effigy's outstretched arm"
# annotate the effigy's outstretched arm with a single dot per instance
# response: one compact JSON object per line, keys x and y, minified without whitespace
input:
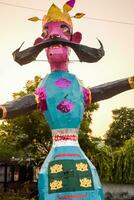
{"x":18,"y":107}
{"x":110,"y":89}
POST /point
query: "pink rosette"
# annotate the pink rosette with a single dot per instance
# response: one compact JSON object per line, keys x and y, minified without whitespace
{"x":41,"y":94}
{"x":62,"y":83}
{"x":65,"y":106}
{"x":87,"y":96}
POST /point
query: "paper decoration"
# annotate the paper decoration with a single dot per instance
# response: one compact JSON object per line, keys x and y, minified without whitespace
{"x":85,"y":182}
{"x":68,"y":5}
{"x":65,"y":106}
{"x":82,"y":167}
{"x":41,"y":95}
{"x":78,"y":15}
{"x":56,"y":184}
{"x":34,"y":19}
{"x":62,"y":83}
{"x":56,"y":168}
{"x":87,"y":96}
{"x":55,"y":14}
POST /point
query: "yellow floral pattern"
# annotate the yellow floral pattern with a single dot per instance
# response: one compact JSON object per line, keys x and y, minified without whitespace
{"x":85,"y":182}
{"x":56,"y":168}
{"x":55,"y":185}
{"x":81,"y":167}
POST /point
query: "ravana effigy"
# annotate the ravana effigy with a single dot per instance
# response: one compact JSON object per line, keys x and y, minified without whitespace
{"x":66,"y":173}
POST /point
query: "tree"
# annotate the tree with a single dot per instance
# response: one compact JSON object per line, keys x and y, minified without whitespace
{"x":122,"y":127}
{"x":85,"y":133}
{"x":124,"y":163}
{"x":104,"y":161}
{"x":30,"y":137}
{"x":116,"y":166}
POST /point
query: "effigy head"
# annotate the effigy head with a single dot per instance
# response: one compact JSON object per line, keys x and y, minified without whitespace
{"x":58,"y":24}
{"x":57,"y":39}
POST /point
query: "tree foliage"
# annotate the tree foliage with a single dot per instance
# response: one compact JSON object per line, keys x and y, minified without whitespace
{"x":115,"y":166}
{"x":85,"y":133}
{"x":104,"y":161}
{"x":124,"y":163}
{"x":122,"y":127}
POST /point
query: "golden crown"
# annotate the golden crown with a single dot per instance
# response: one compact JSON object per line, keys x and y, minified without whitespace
{"x":56,"y":14}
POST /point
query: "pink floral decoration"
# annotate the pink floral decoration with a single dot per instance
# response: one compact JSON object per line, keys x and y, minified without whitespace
{"x":62,"y":83}
{"x":87,"y":96}
{"x":41,"y":94}
{"x":65,"y":106}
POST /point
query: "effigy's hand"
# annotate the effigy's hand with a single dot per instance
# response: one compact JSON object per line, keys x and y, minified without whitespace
{"x":3,"y":112}
{"x":131,"y":82}
{"x":110,"y":89}
{"x":18,"y":107}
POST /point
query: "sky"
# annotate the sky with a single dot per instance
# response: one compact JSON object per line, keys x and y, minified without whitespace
{"x":117,"y":40}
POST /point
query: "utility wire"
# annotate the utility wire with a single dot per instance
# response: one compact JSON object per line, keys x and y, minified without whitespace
{"x":111,"y":21}
{"x":17,"y":6}
{"x":91,"y":18}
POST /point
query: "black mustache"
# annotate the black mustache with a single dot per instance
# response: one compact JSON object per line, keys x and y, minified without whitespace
{"x":84,"y":53}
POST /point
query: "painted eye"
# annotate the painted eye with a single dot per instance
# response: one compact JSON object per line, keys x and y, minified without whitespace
{"x":45,"y":32}
{"x":65,"y":29}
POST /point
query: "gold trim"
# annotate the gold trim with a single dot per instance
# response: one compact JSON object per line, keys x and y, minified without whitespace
{"x":36,"y":98}
{"x":4,"y":112}
{"x":131,"y":82}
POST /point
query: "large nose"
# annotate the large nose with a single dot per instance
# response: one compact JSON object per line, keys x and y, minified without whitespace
{"x":54,"y":32}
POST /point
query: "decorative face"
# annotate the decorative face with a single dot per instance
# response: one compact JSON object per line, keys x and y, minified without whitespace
{"x":58,"y":23}
{"x":58,"y":55}
{"x":58,"y":29}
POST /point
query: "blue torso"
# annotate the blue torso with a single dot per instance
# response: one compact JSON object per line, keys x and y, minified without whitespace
{"x":63,"y":86}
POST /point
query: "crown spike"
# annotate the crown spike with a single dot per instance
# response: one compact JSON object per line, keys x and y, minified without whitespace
{"x":68,"y":5}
